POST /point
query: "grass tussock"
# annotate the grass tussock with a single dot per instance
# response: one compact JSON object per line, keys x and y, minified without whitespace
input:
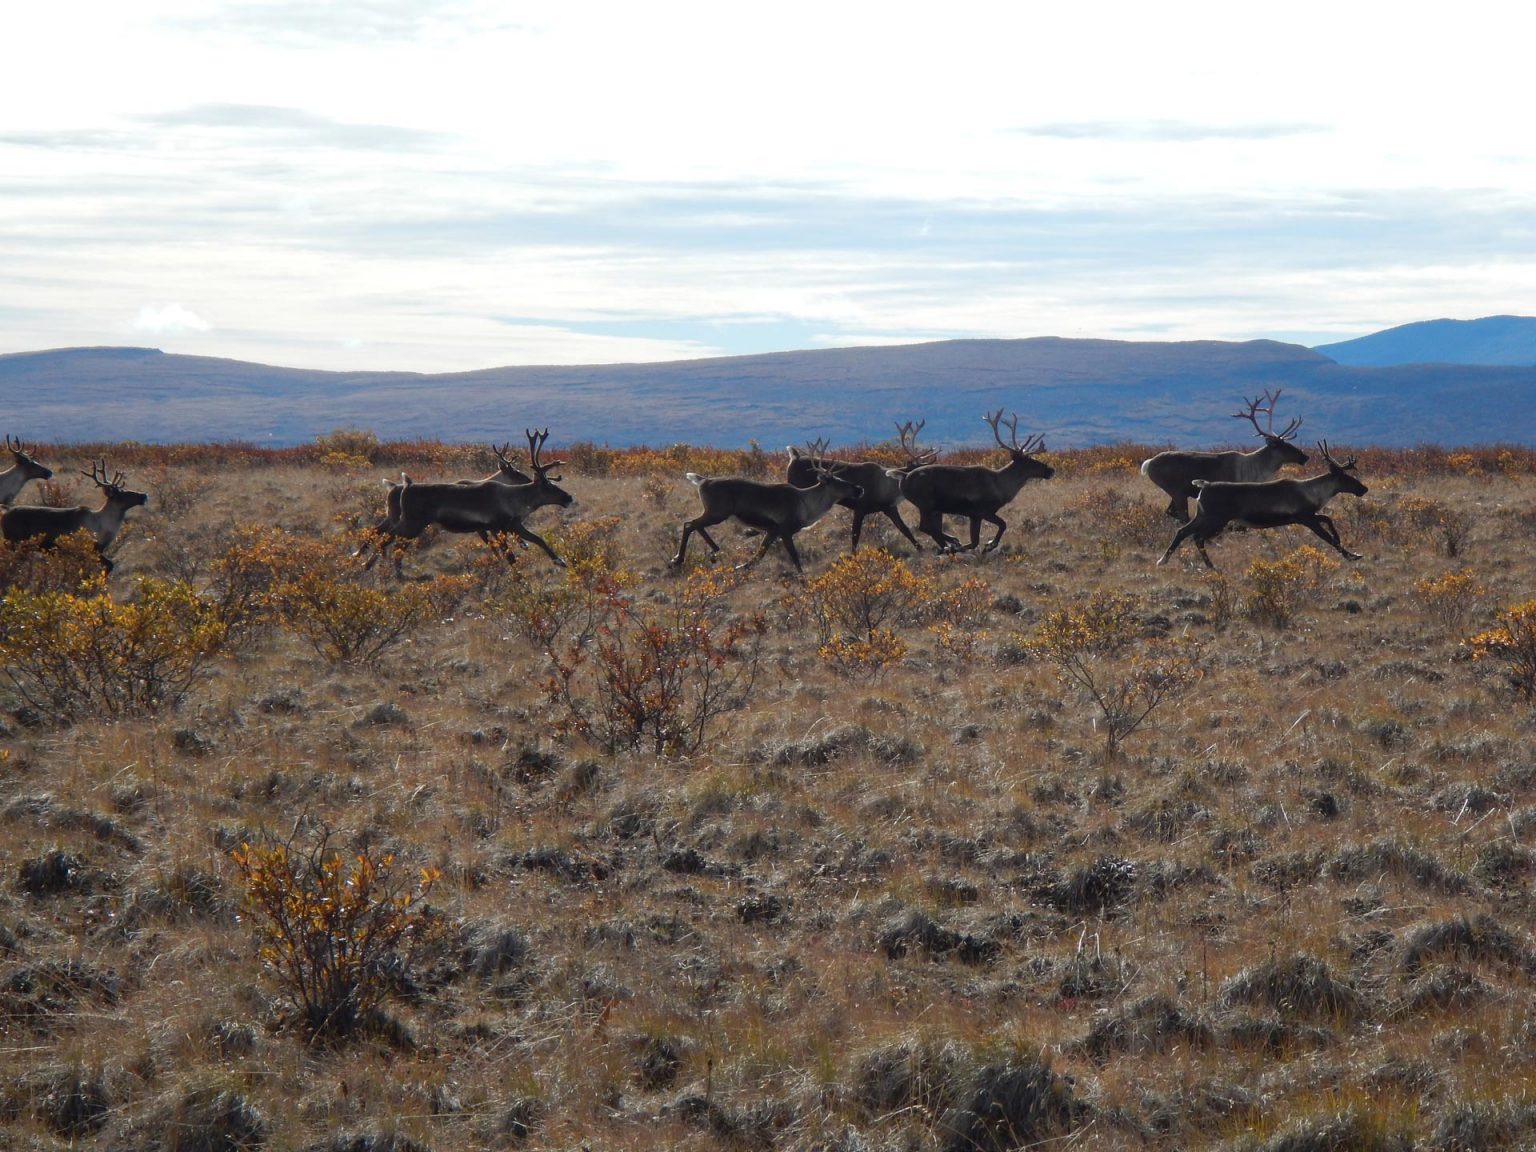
{"x":1043,"y":847}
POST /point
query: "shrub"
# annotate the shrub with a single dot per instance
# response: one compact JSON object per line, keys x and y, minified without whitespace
{"x":347,"y":448}
{"x":1278,"y":587}
{"x":333,"y":933}
{"x":319,"y":597}
{"x":256,"y":559}
{"x":1096,"y":647}
{"x":1118,"y":520}
{"x":548,"y":604}
{"x":74,"y":655}
{"x":658,"y":678}
{"x":1223,"y":598}
{"x":856,"y":604}
{"x":1449,"y":598}
{"x":853,"y":605}
{"x":1446,"y":527}
{"x":71,"y":564}
{"x":1512,"y":641}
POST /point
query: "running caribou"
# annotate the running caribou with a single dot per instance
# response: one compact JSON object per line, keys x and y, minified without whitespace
{"x":973,"y":490}
{"x":1176,"y":473}
{"x":778,"y":511}
{"x":15,"y":478}
{"x":1270,"y":504}
{"x":483,"y":506}
{"x":881,"y":485}
{"x":506,"y":473}
{"x":46,"y":524}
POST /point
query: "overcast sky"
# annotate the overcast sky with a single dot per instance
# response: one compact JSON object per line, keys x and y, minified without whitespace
{"x":436,"y":186}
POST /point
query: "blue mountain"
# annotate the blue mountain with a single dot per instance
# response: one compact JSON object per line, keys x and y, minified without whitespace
{"x":1493,"y":340}
{"x":1075,"y":392}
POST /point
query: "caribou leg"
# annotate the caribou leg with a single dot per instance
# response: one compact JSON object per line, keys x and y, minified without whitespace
{"x":529,"y":536}
{"x":1323,"y":526}
{"x":697,"y":524}
{"x":895,"y":518}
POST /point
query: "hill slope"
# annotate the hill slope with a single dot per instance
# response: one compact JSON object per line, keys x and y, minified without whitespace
{"x":1494,"y":340}
{"x":1077,"y":392}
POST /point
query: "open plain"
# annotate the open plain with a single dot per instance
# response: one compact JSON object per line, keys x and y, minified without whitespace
{"x":1047,"y":847}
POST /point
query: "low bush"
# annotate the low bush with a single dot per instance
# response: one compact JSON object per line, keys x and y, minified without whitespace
{"x":1512,"y":642}
{"x":1096,"y":646}
{"x":334,"y":933}
{"x":659,"y":677}
{"x":72,"y":655}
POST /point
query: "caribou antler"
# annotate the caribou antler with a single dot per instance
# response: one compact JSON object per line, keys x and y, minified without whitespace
{"x":1266,"y":404}
{"x":1031,"y":443}
{"x":98,"y":476}
{"x":1322,"y":446}
{"x":907,"y":432}
{"x":535,"y":445}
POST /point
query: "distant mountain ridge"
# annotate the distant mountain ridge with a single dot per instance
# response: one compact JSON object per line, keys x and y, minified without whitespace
{"x":1076,"y":392}
{"x":1493,"y":340}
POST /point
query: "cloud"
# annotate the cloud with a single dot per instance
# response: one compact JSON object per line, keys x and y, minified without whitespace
{"x":1168,"y":131}
{"x":302,"y":23}
{"x":295,"y":126}
{"x":168,"y":319}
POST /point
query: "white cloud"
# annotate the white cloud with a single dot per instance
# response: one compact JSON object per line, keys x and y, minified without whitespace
{"x":168,"y":318}
{"x":454,"y":187}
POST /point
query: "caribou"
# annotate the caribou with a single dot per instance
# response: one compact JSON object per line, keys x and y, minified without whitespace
{"x":15,"y":478}
{"x":881,"y":486}
{"x":778,"y":511}
{"x":973,"y":490}
{"x":46,"y":525}
{"x":1270,"y":504}
{"x":483,"y":506}
{"x":506,"y":473}
{"x":1177,"y":473}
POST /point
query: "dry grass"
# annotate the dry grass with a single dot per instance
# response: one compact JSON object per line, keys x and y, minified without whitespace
{"x":927,"y":906}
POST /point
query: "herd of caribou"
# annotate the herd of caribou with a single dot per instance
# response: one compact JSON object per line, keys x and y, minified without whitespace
{"x":1228,"y":488}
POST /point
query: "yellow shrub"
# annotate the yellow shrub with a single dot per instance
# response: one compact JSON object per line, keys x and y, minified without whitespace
{"x":548,"y":604}
{"x":1102,"y":625}
{"x":863,"y":594}
{"x":864,"y":658}
{"x":1513,"y":641}
{"x":334,"y":933}
{"x":349,"y":447}
{"x":1097,"y":646}
{"x":84,"y":654}
{"x":348,"y":623}
{"x":1449,"y":598}
{"x":71,"y":564}
{"x":1278,"y":587}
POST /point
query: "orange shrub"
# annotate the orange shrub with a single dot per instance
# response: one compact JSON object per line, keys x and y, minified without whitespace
{"x":658,"y":677}
{"x":72,"y":564}
{"x":334,"y":934}
{"x":1513,"y":641}
{"x":74,"y":654}
{"x":1449,"y":598}
{"x":1097,"y":647}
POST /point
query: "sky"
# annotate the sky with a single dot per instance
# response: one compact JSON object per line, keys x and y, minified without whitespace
{"x":439,"y":185}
